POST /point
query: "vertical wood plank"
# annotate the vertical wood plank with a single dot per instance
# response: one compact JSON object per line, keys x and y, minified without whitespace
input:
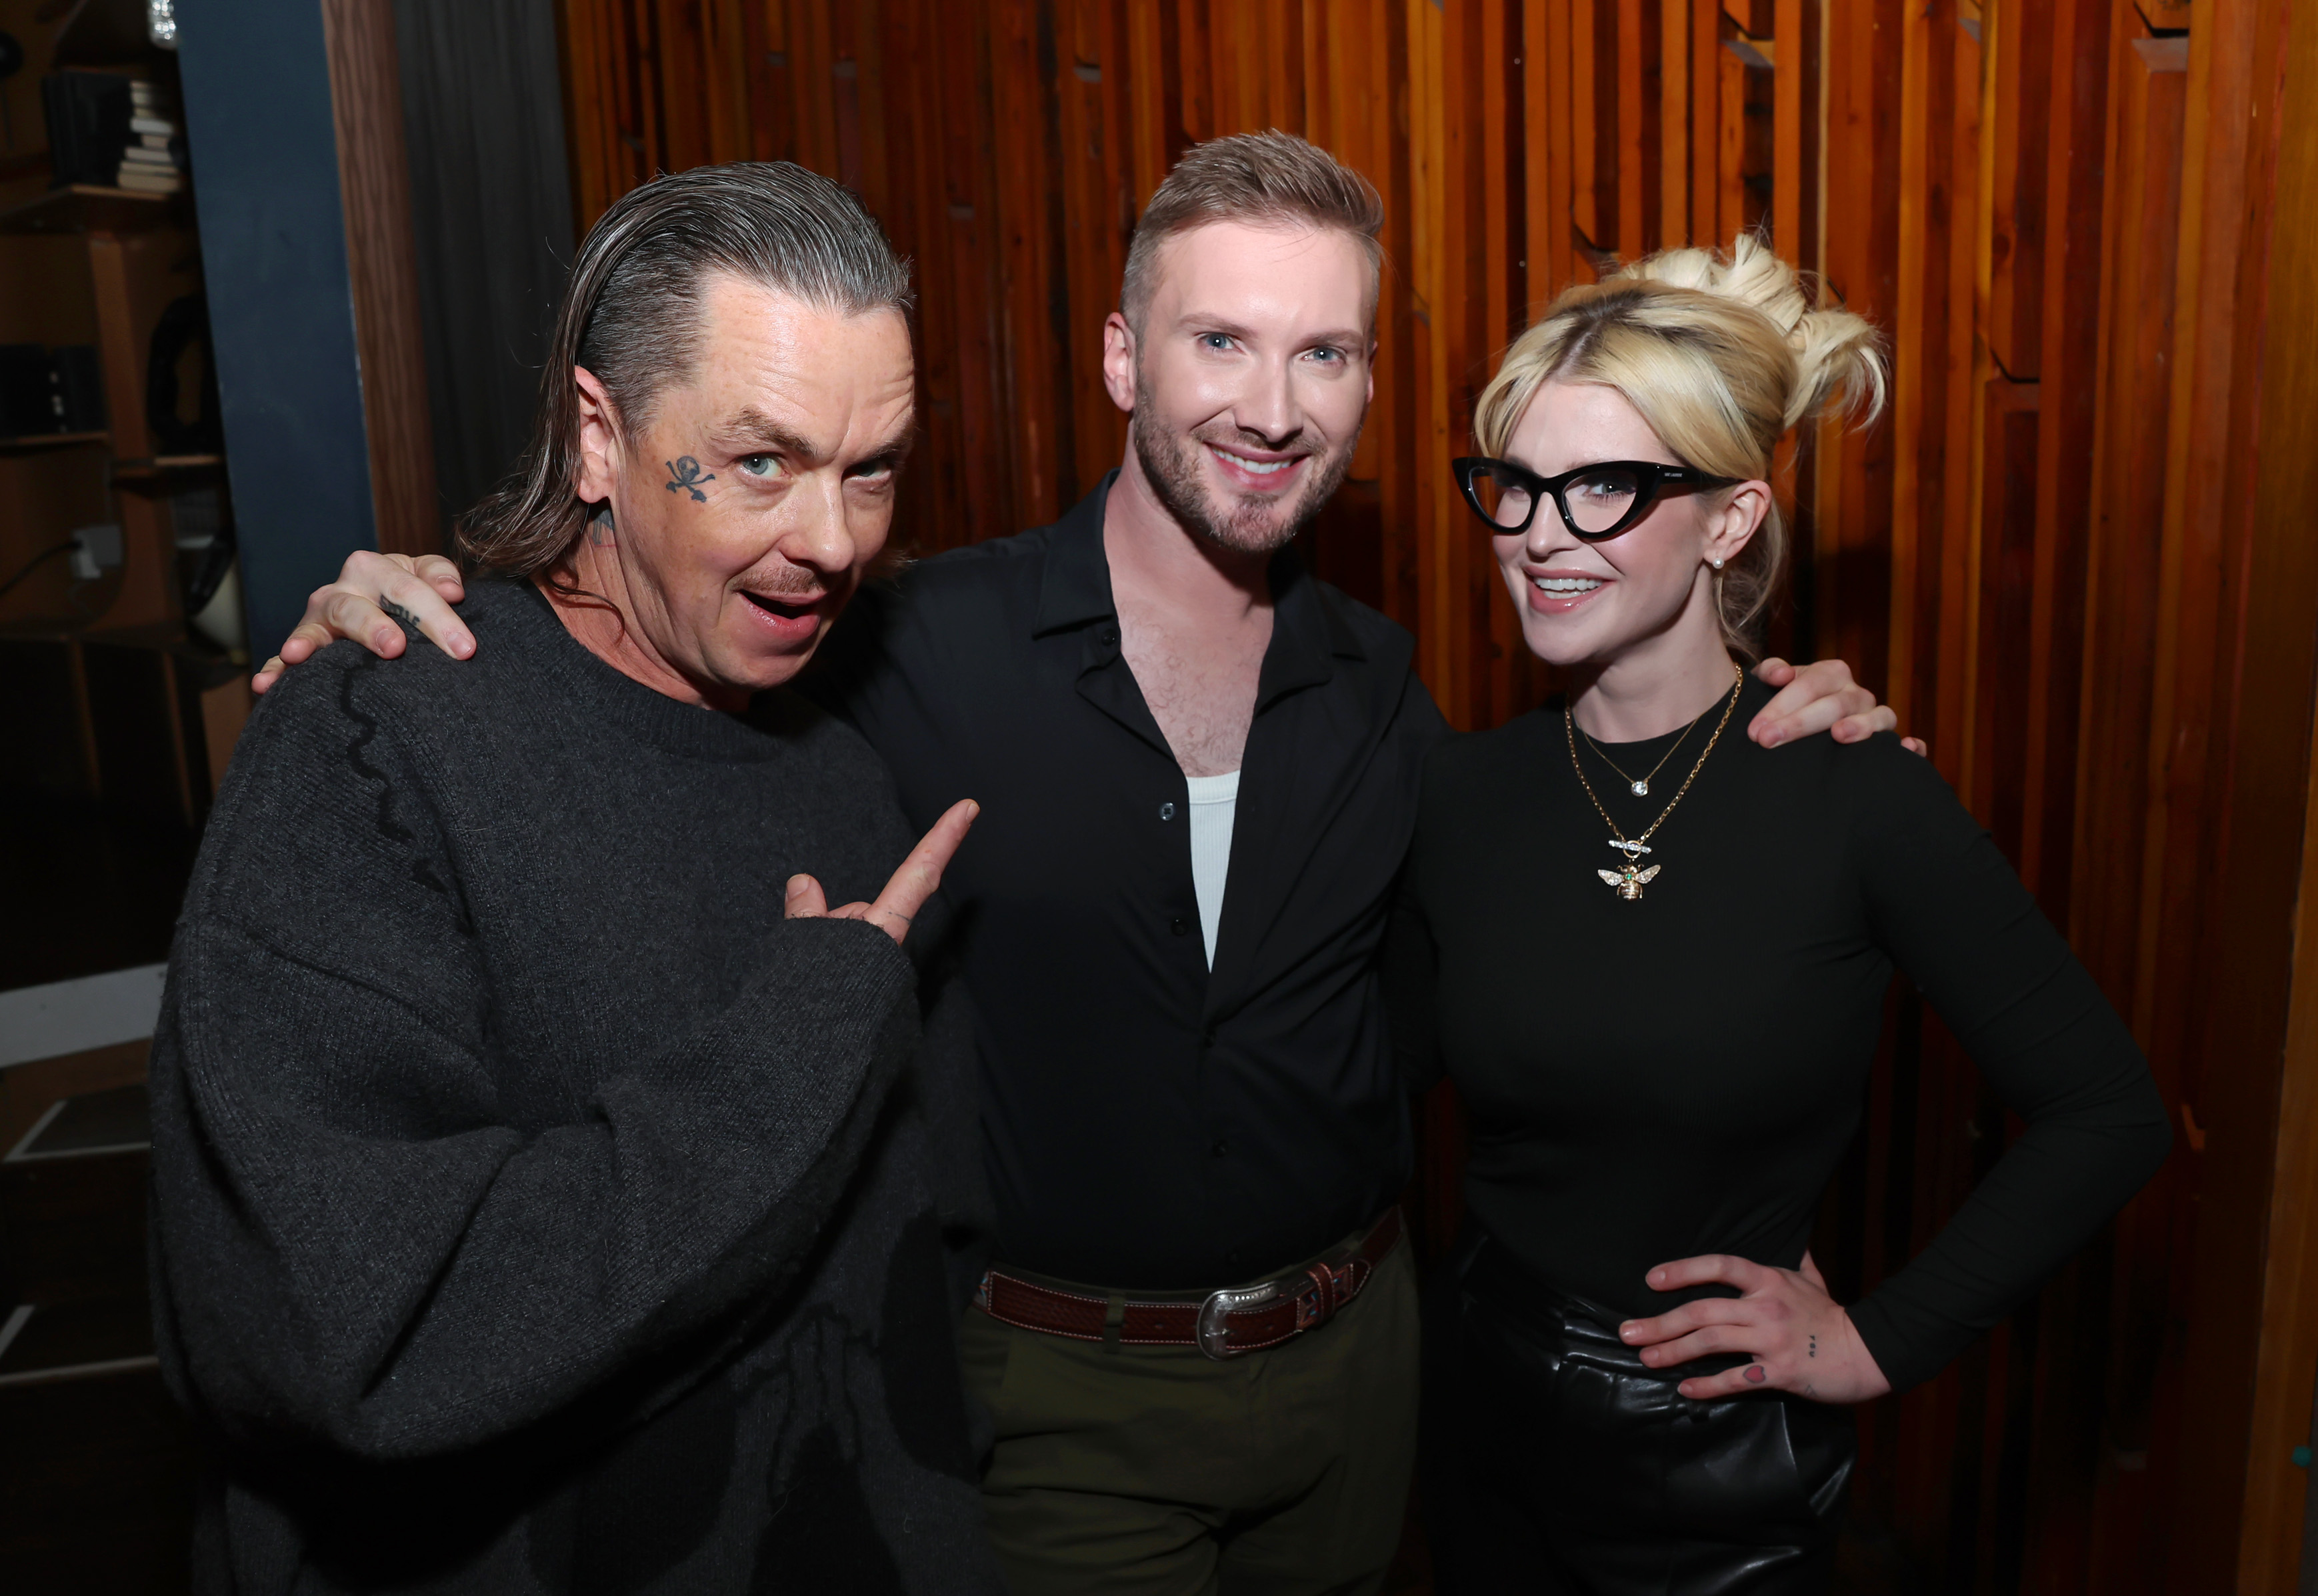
{"x":1673,"y":123}
{"x":1594,"y":122}
{"x":382,"y":274}
{"x":1640,"y":114}
{"x":2114,"y":785}
{"x":1706,"y":25}
{"x":1199,"y":108}
{"x":1547,"y":157}
{"x":1795,"y":188}
{"x":2024,"y":71}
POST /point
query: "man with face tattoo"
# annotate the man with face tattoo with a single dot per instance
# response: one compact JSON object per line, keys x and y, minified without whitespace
{"x":550,"y":1189}
{"x":1198,"y":767}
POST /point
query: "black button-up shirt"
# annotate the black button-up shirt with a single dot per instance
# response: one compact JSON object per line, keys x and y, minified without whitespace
{"x":1150,"y":1122}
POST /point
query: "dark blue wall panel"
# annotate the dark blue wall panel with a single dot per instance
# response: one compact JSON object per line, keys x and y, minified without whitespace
{"x":274,"y":254}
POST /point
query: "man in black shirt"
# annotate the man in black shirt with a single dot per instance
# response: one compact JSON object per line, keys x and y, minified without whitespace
{"x":1197,"y":769}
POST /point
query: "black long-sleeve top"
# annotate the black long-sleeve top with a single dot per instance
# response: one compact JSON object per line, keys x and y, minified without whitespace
{"x":1150,"y":1122}
{"x":1654,"y":1077}
{"x":529,"y":1197}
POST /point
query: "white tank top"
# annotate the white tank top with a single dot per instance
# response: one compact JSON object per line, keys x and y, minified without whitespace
{"x":1215,"y":800}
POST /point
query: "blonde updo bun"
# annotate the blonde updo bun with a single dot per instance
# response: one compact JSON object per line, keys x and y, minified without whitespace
{"x":1722,"y":353}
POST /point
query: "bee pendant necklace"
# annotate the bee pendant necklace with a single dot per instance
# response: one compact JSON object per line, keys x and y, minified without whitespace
{"x":1630,"y":880}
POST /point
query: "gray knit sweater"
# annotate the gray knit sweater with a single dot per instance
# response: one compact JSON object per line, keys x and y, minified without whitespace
{"x":534,"y":1210}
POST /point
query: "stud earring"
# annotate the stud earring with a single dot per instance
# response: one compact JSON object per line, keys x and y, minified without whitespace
{"x":1717,"y":564}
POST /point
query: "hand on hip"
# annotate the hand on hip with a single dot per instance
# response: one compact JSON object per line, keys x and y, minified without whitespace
{"x":1799,"y":1337}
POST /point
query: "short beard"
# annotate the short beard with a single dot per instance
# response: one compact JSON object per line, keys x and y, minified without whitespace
{"x":1171,"y":463}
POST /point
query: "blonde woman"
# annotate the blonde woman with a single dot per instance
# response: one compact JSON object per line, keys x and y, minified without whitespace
{"x":1653,"y":957}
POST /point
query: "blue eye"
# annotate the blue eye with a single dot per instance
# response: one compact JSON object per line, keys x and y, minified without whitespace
{"x":1216,"y":341}
{"x":760,"y":465}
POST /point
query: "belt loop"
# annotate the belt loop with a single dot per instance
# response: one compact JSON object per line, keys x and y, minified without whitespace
{"x":1113,"y":1317}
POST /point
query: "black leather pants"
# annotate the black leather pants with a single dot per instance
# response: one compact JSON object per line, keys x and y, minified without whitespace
{"x":1555,"y":1461}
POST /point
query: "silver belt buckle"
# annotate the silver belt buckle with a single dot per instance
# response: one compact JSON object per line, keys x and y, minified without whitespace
{"x":1215,"y":1331}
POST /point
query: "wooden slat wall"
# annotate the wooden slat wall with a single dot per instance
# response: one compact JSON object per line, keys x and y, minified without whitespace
{"x":2061,"y":556}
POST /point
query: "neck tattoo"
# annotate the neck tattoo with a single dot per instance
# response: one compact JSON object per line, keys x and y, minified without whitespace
{"x":1630,"y":880}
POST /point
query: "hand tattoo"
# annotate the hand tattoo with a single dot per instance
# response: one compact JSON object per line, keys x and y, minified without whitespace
{"x":684,"y":472}
{"x":396,"y":612}
{"x":1814,"y":1346}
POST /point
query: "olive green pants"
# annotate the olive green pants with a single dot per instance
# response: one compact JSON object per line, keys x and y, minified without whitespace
{"x":1157,"y":1471}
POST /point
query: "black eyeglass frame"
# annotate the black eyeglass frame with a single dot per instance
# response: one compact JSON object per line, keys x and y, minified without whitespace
{"x":1651,"y":478}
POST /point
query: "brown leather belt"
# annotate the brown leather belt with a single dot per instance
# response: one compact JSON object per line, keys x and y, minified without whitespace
{"x":1224,"y":1324}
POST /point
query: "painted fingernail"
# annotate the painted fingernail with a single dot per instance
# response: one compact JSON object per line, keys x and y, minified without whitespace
{"x":1755,"y":1374}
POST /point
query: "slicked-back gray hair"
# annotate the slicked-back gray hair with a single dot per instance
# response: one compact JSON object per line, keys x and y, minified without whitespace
{"x":631,"y":314}
{"x":1263,"y":178}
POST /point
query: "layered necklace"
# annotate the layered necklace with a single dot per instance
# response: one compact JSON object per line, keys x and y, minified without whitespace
{"x":1630,"y":880}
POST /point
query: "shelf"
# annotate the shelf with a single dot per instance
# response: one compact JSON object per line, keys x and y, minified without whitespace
{"x":159,"y":472}
{"x":85,"y":208}
{"x":167,"y":638}
{"x":33,"y":443}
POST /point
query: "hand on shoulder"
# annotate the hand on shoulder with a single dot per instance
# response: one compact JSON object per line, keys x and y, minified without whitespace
{"x":375,"y":594}
{"x":1820,"y":696}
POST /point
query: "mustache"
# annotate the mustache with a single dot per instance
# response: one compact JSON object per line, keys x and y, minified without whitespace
{"x":786,"y":581}
{"x":1304,"y":441}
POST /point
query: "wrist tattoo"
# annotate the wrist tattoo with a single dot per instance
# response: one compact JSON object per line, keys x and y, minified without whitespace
{"x":396,"y":612}
{"x":684,"y":474}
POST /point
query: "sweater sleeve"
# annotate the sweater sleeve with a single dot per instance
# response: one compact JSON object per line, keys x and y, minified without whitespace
{"x":1950,"y":912}
{"x":357,"y":1245}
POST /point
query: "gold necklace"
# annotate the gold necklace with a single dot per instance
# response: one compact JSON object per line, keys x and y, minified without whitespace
{"x":1628,"y":882}
{"x":1640,"y":787}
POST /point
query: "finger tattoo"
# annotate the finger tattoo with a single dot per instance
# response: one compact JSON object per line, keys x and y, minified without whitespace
{"x":1757,"y":1373}
{"x":397,"y":611}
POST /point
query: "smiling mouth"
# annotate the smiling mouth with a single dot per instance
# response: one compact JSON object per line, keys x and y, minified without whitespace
{"x":1261,"y":468}
{"x":1565,"y":587}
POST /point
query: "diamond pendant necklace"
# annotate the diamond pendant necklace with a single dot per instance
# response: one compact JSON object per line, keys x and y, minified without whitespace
{"x":1628,"y":882}
{"x":1640,"y":787}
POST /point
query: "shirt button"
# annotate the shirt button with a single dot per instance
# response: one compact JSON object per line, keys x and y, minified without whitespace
{"x":1111,"y":634}
{"x":1180,"y":925}
{"x":1167,"y":812}
{"x":1220,"y":1148}
{"x":1207,"y":1038}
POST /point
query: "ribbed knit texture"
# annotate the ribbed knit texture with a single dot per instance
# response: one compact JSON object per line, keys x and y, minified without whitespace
{"x":534,"y":1209}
